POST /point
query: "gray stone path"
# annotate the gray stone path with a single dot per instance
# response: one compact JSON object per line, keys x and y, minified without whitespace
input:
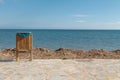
{"x":56,"y":69}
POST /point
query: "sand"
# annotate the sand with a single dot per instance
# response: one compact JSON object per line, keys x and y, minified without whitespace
{"x":61,"y":53}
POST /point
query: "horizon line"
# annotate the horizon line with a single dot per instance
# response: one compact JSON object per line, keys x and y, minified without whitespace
{"x":53,"y":29}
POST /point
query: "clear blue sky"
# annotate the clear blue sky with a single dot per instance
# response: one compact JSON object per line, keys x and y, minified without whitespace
{"x":60,"y":14}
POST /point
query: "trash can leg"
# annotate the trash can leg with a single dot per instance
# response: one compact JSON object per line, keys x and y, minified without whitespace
{"x":31,"y":56}
{"x":17,"y":57}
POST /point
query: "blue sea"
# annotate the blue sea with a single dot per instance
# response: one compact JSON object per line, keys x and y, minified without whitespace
{"x":73,"y":39}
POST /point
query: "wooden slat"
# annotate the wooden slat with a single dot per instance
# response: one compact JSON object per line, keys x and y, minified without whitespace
{"x":27,"y":43}
{"x":24,"y":43}
{"x":30,"y":42}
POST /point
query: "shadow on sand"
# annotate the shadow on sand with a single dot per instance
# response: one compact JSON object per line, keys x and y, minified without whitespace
{"x":6,"y":60}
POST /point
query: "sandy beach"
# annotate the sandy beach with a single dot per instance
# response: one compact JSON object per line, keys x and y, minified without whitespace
{"x":60,"y":64}
{"x":58,"y":69}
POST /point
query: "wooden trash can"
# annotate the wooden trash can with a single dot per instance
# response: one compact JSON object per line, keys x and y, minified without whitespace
{"x":24,"y":44}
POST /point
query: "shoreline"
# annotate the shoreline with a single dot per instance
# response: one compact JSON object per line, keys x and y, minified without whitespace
{"x":61,"y":53}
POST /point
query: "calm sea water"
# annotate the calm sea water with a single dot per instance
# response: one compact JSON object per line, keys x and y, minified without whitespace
{"x":76,"y":39}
